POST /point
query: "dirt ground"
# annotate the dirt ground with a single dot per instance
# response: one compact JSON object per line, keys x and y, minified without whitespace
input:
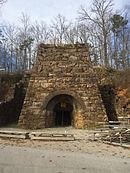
{"x":83,"y":144}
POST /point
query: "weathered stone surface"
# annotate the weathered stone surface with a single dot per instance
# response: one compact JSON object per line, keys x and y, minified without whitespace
{"x":12,"y":93}
{"x":62,"y":74}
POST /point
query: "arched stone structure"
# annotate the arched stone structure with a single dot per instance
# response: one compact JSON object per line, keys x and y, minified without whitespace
{"x":59,"y":111}
{"x":63,"y":110}
{"x":62,"y":74}
{"x":63,"y":92}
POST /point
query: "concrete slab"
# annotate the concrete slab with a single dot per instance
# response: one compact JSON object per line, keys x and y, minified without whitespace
{"x":13,"y":134}
{"x":36,"y":135}
{"x":51,"y":137}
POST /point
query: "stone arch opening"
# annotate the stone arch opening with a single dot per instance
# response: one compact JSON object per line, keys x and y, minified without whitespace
{"x":63,"y":113}
{"x":60,"y":111}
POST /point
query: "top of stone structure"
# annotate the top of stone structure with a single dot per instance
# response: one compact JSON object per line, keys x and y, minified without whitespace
{"x":77,"y":45}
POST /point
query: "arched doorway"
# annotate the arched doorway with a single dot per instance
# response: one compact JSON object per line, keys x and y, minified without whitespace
{"x":60,"y":111}
{"x":63,"y":113}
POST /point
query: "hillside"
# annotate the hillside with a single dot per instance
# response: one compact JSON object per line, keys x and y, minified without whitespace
{"x":12,"y":93}
{"x":117,"y":83}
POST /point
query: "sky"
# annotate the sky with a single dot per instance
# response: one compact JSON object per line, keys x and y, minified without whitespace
{"x":46,"y":10}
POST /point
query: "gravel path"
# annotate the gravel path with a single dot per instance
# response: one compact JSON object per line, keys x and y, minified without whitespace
{"x":83,"y":144}
{"x":24,"y":160}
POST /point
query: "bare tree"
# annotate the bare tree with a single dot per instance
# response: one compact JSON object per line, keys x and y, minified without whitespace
{"x":10,"y":32}
{"x":58,"y":29}
{"x":76,"y":33}
{"x":25,"y":41}
{"x":40,"y":32}
{"x":71,"y":36}
{"x":99,"y":18}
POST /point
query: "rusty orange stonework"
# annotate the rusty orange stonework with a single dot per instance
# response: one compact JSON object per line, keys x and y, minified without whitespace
{"x":62,"y":90}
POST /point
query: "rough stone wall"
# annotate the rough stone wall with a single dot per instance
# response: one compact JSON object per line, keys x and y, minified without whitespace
{"x":12,"y":95}
{"x":109,"y":100}
{"x":62,"y":70}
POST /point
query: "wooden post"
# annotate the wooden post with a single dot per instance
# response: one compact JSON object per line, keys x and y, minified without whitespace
{"x":120,"y":137}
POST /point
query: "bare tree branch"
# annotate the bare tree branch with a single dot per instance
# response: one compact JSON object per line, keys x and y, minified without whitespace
{"x":99,"y":19}
{"x":2,"y":1}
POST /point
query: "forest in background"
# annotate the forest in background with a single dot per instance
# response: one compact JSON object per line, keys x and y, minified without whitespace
{"x":106,"y":31}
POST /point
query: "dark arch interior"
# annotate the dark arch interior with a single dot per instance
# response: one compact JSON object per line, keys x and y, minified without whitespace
{"x":60,"y":111}
{"x":63,"y":113}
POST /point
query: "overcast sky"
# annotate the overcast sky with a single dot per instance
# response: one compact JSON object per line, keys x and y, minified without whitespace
{"x":46,"y":10}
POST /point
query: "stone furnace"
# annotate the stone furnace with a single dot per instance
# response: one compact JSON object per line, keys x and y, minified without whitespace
{"x":62,"y":90}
